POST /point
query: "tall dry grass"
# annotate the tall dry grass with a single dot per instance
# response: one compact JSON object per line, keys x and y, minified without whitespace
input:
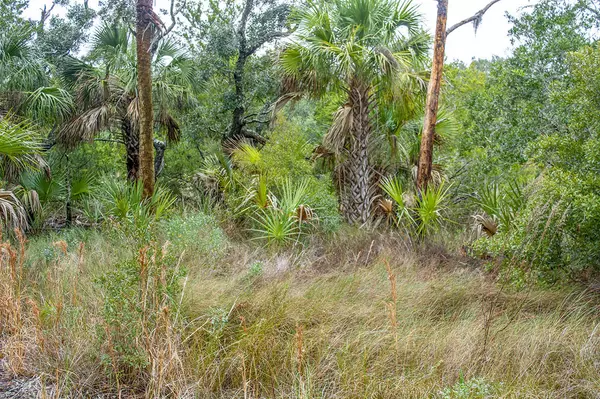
{"x":359,"y":317}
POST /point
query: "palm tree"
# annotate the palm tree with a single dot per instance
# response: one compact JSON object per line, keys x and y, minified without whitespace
{"x":369,"y":49}
{"x":106,"y":92}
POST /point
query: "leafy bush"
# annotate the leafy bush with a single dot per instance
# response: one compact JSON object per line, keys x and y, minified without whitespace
{"x":286,"y":156}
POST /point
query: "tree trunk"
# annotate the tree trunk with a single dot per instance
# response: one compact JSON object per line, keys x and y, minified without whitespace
{"x":237,"y":121}
{"x":144,"y":30}
{"x":433,"y":94}
{"x":358,"y":203}
{"x":132,"y":149}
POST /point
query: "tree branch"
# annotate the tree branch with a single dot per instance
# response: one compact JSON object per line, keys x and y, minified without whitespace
{"x":241,"y":31}
{"x":476,"y":18}
{"x":173,"y":17}
{"x":268,"y":38}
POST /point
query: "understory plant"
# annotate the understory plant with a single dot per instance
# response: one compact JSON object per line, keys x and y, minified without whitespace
{"x":423,"y":214}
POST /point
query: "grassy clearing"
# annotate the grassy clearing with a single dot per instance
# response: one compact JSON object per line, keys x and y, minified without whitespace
{"x":358,"y":317}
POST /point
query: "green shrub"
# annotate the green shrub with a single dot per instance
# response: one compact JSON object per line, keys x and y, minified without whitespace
{"x":476,"y":388}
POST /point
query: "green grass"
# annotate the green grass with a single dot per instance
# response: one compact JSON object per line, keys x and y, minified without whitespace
{"x":290,"y":324}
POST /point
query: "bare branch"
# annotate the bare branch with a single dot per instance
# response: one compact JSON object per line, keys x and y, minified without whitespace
{"x":475,"y":18}
{"x":173,"y":13}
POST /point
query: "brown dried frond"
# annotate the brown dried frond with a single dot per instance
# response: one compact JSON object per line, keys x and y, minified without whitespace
{"x":386,"y":205}
{"x":12,"y":212}
{"x":485,"y":224}
{"x":340,"y":131}
{"x":84,"y":127}
{"x":170,"y":125}
{"x":304,"y":213}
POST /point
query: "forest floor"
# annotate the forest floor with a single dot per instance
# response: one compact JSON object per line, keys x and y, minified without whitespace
{"x":358,"y":316}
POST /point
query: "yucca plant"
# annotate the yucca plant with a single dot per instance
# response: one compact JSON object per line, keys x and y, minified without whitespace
{"x":292,"y":195}
{"x":247,"y":156}
{"x":430,"y":209}
{"x":283,"y":221}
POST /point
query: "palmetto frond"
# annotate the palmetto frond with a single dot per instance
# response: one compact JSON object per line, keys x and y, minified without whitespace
{"x":12,"y":212}
{"x":370,"y":40}
{"x":19,"y":147}
{"x":20,"y":67}
{"x":340,"y":131}
{"x":85,"y":126}
{"x":110,"y":43}
{"x":48,"y":104}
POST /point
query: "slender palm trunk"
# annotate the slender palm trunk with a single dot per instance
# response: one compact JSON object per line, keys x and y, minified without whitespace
{"x":358,"y":203}
{"x":144,"y":35}
{"x":433,"y":96}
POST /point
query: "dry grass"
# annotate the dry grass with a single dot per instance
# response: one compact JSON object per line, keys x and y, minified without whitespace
{"x":361,"y":317}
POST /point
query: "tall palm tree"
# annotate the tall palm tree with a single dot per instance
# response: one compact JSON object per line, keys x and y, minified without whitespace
{"x":369,"y":49}
{"x":106,"y":92}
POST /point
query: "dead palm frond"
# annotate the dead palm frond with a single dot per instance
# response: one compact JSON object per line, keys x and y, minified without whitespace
{"x":86,"y":126}
{"x":12,"y":212}
{"x":485,"y":224}
{"x":339,"y":133}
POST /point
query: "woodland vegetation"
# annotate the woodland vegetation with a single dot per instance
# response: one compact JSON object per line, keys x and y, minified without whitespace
{"x":297,"y":199}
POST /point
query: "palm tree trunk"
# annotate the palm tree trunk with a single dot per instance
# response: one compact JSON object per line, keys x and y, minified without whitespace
{"x":144,"y":35}
{"x":433,"y":96}
{"x":358,"y":203}
{"x":132,"y":149}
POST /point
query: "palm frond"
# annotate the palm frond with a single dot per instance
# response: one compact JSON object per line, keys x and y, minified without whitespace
{"x":49,"y":104}
{"x":19,"y":147}
{"x":86,"y":126}
{"x":12,"y":212}
{"x":340,"y":131}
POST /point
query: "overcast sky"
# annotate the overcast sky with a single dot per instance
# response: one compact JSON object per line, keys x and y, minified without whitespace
{"x":463,"y":44}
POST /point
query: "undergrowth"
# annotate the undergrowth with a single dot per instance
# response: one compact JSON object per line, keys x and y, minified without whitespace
{"x":361,"y":316}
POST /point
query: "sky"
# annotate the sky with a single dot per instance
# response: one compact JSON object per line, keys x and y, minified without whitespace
{"x":463,"y":44}
{"x":492,"y":36}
